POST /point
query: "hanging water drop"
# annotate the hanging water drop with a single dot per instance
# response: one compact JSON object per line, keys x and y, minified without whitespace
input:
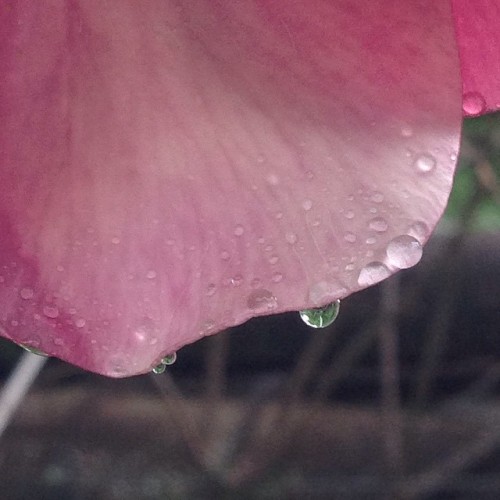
{"x":321,"y":317}
{"x":168,"y":360}
{"x":159,"y":369}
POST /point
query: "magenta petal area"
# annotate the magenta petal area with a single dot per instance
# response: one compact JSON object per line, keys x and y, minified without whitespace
{"x":170,"y":169}
{"x":478,"y":33}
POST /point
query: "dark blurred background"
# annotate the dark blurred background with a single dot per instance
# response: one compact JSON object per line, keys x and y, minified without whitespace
{"x":398,"y":399}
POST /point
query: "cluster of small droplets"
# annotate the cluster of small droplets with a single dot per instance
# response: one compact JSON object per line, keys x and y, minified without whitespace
{"x":321,"y":317}
{"x":166,"y":361}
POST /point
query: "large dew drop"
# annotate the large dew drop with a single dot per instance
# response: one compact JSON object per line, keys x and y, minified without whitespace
{"x":404,"y":251}
{"x":321,"y":317}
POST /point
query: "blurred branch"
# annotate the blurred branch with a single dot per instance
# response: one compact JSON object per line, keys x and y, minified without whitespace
{"x":17,"y":385}
{"x":392,"y":428}
{"x":439,"y":325}
{"x":340,"y":365}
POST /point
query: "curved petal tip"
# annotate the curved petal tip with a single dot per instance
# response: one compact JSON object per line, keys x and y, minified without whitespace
{"x":173,"y":169}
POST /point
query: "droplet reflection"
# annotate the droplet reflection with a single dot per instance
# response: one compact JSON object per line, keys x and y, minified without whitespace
{"x":321,"y":317}
{"x":168,"y":360}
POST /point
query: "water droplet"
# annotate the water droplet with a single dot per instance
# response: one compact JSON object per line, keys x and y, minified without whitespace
{"x":60,"y":268}
{"x":169,"y":359}
{"x":151,"y":274}
{"x":224,"y":255}
{"x":277,"y":277}
{"x":211,"y":289}
{"x":425,"y":163}
{"x":279,"y":215}
{"x":419,"y":230}
{"x":404,"y":251}
{"x":307,"y":205}
{"x":321,"y":317}
{"x":26,"y":293}
{"x":33,"y":350}
{"x":291,"y":238}
{"x":373,"y":273}
{"x":80,"y":323}
{"x":262,"y":300}
{"x":51,"y":311}
{"x":166,"y":361}
{"x":371,"y":240}
{"x":239,"y":230}
{"x":237,"y":280}
{"x":473,"y":103}
{"x":273,"y":259}
{"x":349,"y":214}
{"x":115,"y":240}
{"x":377,"y":197}
{"x":310,"y":175}
{"x":159,"y":369}
{"x":350,"y":237}
{"x":378,"y":224}
{"x":406,"y":131}
{"x":273,"y":179}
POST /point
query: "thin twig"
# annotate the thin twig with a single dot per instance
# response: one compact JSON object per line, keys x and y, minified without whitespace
{"x":216,"y":354}
{"x":182,"y":417}
{"x":390,"y":380}
{"x":340,"y":365}
{"x":17,"y":385}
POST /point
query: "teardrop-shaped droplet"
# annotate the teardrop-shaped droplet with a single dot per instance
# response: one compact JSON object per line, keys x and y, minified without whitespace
{"x":321,"y":317}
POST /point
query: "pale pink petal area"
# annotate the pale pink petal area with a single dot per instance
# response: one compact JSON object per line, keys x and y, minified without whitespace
{"x":173,"y":168}
{"x":478,"y":33}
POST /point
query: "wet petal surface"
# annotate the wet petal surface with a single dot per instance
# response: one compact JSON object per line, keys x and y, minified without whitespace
{"x":478,"y":33}
{"x":173,"y":169}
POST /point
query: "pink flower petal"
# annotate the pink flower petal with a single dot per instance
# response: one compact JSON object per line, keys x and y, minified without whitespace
{"x":478,"y":32}
{"x":171,"y":170}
